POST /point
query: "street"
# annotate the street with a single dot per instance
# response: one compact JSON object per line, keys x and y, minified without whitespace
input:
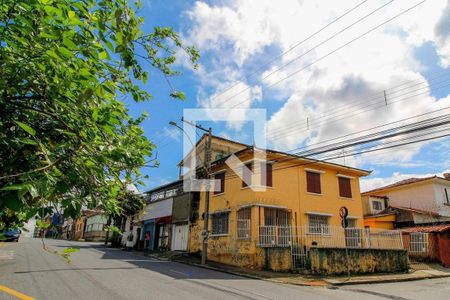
{"x":101,"y":273}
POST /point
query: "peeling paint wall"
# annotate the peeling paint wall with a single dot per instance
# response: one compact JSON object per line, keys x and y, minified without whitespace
{"x":329,"y":261}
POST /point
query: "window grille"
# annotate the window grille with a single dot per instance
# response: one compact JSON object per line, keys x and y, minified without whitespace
{"x":220,"y":223}
{"x":243,"y":223}
{"x":318,"y":224}
{"x":418,"y":242}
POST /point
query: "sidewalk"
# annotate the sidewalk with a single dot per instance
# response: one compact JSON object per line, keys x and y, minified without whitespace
{"x":418,"y":271}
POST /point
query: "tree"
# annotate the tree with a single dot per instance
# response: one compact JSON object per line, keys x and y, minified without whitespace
{"x":66,"y":138}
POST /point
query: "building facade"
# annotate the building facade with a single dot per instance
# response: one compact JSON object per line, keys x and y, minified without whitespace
{"x":414,"y":201}
{"x":288,"y":196}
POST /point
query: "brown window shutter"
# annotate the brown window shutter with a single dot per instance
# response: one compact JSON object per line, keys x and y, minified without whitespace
{"x":345,"y":189}
{"x":247,"y":175}
{"x":269,"y":175}
{"x":221,"y":185}
{"x":313,"y":182}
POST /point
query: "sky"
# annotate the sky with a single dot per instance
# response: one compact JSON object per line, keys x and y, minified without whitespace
{"x":319,"y":68}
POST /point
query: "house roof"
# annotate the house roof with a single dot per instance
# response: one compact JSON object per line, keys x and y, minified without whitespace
{"x":213,"y":137}
{"x":402,"y":183}
{"x":431,"y":228}
{"x":293,"y":157}
{"x":415,"y":210}
{"x":161,"y":187}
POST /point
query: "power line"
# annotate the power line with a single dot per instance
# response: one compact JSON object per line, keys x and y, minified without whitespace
{"x":369,"y":129}
{"x":291,"y":48}
{"x":311,"y":49}
{"x":365,"y":100}
{"x":336,"y":49}
{"x":354,"y":113}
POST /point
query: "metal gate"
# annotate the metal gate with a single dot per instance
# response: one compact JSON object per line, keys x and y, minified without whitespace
{"x":299,"y":252}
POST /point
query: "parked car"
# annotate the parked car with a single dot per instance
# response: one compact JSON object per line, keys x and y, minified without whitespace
{"x":12,"y":234}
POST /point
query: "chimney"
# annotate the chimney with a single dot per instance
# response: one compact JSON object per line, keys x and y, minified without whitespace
{"x":447,"y":176}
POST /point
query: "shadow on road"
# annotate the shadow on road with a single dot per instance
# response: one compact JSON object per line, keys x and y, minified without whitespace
{"x":138,"y":260}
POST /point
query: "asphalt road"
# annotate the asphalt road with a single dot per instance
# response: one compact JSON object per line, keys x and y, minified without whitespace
{"x":100,"y":273}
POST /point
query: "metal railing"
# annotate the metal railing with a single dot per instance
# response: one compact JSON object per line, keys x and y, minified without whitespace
{"x":323,"y":236}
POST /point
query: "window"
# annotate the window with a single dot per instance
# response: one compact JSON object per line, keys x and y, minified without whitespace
{"x":220,"y":223}
{"x":247,"y":174}
{"x":447,"y":196}
{"x":266,"y":177}
{"x":276,"y":217}
{"x":243,"y":223}
{"x":418,"y":242}
{"x":318,"y":224}
{"x":351,"y":223}
{"x":220,"y":183}
{"x":313,"y":182}
{"x":345,"y":189}
{"x":377,"y":205}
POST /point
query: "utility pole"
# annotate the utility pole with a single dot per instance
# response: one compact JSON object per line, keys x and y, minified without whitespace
{"x":207,"y":168}
{"x":206,"y":217}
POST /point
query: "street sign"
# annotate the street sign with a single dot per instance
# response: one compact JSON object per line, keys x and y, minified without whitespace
{"x":343,"y":212}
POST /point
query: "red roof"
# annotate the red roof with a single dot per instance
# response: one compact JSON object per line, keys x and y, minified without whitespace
{"x":431,"y":228}
{"x":400,"y":183}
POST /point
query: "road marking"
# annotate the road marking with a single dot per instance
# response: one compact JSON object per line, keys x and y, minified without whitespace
{"x":178,"y":272}
{"x":6,"y":254}
{"x":14,"y":293}
{"x":2,"y":244}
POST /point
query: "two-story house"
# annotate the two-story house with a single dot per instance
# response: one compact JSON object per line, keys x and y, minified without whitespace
{"x":287,"y":194}
{"x":413,"y":201}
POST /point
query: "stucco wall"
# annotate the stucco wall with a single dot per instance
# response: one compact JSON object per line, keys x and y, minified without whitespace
{"x":328,"y":261}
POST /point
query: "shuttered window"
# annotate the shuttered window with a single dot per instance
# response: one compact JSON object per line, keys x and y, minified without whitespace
{"x":220,"y":183}
{"x":266,"y":177}
{"x":247,"y":174}
{"x":313,"y":182}
{"x":345,"y":189}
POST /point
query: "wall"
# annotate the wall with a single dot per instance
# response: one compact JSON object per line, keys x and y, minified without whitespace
{"x":288,"y":191}
{"x":328,"y":261}
{"x":444,"y":248}
{"x":443,"y":205}
{"x":384,"y":222}
{"x":94,"y":228}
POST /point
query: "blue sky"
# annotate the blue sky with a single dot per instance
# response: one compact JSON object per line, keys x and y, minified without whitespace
{"x":237,"y":38}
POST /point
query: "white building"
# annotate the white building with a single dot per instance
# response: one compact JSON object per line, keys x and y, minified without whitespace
{"x":422,"y":196}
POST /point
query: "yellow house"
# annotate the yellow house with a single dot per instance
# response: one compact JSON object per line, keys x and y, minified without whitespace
{"x":289,"y":197}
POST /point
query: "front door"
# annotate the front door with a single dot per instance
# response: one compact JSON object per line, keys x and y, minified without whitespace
{"x":180,"y":237}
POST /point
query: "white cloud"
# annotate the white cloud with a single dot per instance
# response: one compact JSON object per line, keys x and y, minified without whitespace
{"x":239,"y":36}
{"x":373,"y":183}
{"x":172,"y":133}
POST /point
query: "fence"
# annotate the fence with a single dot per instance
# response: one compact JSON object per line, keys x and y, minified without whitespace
{"x":328,"y":237}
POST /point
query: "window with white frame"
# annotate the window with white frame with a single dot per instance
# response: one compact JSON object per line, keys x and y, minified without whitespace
{"x":377,"y":205}
{"x":447,"y":196}
{"x":418,"y":242}
{"x":243,"y":223}
{"x":220,"y":223}
{"x":318,"y":224}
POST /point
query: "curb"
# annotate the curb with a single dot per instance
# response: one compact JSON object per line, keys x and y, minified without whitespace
{"x":239,"y":274}
{"x":315,"y":282}
{"x":391,"y":280}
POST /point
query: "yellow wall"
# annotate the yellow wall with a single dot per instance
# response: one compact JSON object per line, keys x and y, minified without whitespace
{"x":289,"y":190}
{"x":383,"y":222}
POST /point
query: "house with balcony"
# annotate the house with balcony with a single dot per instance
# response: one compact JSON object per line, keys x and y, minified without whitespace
{"x":268,"y":214}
